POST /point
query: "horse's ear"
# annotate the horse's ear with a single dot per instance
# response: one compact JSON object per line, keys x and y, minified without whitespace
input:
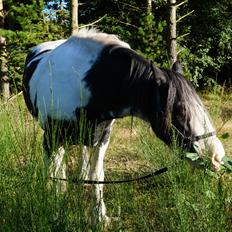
{"x":177,"y":67}
{"x":160,"y":76}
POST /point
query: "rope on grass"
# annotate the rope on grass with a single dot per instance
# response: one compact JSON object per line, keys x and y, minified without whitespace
{"x":78,"y":181}
{"x":194,"y":157}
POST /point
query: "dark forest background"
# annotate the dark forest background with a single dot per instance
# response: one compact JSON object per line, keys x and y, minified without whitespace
{"x":204,"y":30}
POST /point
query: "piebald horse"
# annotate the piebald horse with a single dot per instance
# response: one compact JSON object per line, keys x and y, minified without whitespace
{"x":99,"y":76}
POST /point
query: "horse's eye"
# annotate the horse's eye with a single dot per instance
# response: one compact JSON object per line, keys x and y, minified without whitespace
{"x":179,"y":107}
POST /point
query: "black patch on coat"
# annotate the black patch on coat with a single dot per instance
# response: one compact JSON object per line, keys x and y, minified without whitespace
{"x":102,"y":132}
{"x":34,"y":54}
{"x":59,"y":132}
{"x":120,"y":78}
{"x":28,"y":73}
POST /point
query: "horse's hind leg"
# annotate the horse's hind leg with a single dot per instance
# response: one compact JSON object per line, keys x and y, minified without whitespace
{"x":85,"y":169}
{"x":96,"y":171}
{"x":54,"y":163}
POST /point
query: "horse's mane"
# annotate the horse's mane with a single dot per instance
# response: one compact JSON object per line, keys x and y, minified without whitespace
{"x":181,"y":92}
{"x":100,"y":37}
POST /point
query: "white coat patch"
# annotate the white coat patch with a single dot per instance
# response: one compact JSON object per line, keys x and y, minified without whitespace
{"x":57,"y":84}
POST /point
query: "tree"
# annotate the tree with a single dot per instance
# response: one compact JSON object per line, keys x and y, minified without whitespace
{"x":149,"y":6}
{"x":173,"y":45}
{"x":4,"y":80}
{"x":74,"y":16}
{"x":203,"y":42}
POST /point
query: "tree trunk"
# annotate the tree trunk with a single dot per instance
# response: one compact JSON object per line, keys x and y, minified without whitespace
{"x":1,"y":14}
{"x":74,"y":16}
{"x":149,"y":6}
{"x":173,"y":44}
{"x":5,"y":86}
{"x":4,"y":81}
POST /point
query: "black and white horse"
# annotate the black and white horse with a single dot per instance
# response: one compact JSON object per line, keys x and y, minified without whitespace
{"x":100,"y":75}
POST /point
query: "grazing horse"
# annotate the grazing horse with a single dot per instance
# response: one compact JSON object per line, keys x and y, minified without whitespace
{"x":99,"y":76}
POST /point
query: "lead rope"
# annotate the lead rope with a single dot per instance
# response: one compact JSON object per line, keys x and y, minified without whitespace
{"x":78,"y":181}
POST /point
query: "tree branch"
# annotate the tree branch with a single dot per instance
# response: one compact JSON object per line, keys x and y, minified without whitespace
{"x":90,"y":24}
{"x":180,"y":4}
{"x":127,"y":24}
{"x":178,"y":20}
{"x":181,"y":36}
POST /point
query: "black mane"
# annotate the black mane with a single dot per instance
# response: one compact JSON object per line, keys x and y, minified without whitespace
{"x":182,"y":98}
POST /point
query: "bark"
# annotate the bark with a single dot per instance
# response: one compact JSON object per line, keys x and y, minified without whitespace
{"x":1,"y":14}
{"x":173,"y":44}
{"x":149,"y":6}
{"x":4,"y":81}
{"x":74,"y":16}
{"x":5,"y":86}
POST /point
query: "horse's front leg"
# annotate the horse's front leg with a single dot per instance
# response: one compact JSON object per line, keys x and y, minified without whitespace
{"x":95,"y":169}
{"x":97,"y":173}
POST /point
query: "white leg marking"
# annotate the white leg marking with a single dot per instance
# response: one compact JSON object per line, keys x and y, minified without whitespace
{"x":97,"y":162}
{"x":57,"y":169}
{"x":96,"y":172}
{"x":85,"y":163}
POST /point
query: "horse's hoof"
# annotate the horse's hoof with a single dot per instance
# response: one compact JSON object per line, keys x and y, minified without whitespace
{"x":106,"y":221}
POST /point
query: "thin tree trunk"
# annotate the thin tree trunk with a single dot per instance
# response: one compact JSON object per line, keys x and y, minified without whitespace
{"x":1,"y":14}
{"x":4,"y":80}
{"x":5,"y":86}
{"x":173,"y":44}
{"x":149,"y":6}
{"x":74,"y":16}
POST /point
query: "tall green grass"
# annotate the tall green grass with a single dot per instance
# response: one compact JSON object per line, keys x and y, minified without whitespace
{"x":182,"y":199}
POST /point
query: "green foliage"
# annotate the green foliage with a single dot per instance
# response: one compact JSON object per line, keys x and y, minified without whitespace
{"x":205,"y":49}
{"x":144,"y":32}
{"x":150,"y":39}
{"x":25,"y":27}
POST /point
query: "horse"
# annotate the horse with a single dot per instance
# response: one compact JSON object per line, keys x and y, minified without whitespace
{"x":97,"y":75}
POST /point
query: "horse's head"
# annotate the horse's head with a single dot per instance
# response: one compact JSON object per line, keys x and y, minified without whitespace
{"x":180,"y":111}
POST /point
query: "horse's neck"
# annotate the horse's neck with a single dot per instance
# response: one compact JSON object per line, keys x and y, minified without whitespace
{"x":139,"y":92}
{"x":129,"y":90}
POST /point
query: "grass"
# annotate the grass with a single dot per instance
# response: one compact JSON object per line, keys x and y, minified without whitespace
{"x":182,"y":199}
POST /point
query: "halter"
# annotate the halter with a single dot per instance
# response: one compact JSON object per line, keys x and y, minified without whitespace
{"x":204,"y":136}
{"x":192,"y":139}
